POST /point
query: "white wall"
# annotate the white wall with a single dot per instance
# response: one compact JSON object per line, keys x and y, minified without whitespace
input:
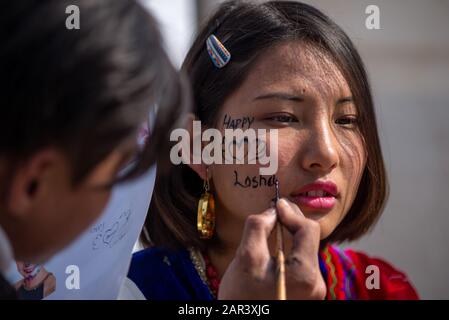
{"x":177,"y":21}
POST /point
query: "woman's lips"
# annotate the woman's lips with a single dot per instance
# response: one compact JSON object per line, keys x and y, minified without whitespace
{"x":325,"y":202}
{"x":318,"y":195}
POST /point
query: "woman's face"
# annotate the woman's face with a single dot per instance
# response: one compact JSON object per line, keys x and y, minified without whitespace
{"x":27,"y":270}
{"x":297,"y":90}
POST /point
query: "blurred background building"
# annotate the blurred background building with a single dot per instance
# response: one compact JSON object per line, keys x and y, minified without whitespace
{"x":408,"y":64}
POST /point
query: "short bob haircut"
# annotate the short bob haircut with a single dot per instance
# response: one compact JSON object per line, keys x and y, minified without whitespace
{"x":247,"y":30}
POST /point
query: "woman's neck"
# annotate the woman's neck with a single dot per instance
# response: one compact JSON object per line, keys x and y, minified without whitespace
{"x":223,"y":250}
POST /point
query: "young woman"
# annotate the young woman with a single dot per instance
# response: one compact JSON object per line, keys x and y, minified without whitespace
{"x":284,"y":66}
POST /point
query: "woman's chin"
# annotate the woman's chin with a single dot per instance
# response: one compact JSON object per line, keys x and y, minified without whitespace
{"x":326,"y":220}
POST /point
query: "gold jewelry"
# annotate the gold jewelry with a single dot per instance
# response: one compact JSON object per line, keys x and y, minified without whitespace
{"x":206,"y":211}
{"x":200,"y":266}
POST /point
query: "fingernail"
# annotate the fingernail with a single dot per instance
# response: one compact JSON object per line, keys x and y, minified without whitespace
{"x":283,"y":202}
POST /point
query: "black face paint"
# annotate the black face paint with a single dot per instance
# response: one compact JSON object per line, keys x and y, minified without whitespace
{"x":255,"y":181}
{"x":237,"y":123}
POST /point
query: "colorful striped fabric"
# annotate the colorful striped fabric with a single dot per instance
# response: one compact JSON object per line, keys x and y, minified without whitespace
{"x":345,"y":273}
{"x":162,"y":274}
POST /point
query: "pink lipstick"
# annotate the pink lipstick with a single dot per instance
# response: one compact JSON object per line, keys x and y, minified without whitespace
{"x":320,"y":195}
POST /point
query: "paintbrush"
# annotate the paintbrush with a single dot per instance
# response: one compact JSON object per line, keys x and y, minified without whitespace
{"x":281,"y":293}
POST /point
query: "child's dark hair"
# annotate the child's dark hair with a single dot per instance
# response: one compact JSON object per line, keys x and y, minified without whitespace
{"x":247,"y":30}
{"x":83,"y":90}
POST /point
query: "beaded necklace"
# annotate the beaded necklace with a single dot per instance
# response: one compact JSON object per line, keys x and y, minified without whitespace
{"x":207,"y":272}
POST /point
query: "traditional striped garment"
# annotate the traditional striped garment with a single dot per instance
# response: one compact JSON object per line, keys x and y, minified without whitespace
{"x":166,"y":275}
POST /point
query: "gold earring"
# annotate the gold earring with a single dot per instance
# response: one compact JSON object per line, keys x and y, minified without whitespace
{"x":206,"y":211}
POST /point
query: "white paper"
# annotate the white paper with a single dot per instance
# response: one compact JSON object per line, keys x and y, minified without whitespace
{"x":102,"y":254}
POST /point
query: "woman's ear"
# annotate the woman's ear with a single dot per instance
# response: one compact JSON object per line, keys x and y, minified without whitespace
{"x":196,"y":163}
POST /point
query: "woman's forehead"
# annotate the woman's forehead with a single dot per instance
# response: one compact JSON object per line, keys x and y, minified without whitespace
{"x":297,"y":68}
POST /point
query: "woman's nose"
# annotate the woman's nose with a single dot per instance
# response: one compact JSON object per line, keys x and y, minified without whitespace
{"x":320,"y":152}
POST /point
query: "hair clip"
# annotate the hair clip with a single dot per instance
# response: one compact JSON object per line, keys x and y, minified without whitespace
{"x":218,"y":53}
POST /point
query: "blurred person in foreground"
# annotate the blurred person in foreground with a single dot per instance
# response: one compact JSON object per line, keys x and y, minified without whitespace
{"x":73,"y":101}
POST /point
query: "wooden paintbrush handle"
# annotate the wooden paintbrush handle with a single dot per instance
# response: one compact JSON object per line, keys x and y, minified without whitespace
{"x":281,"y":292}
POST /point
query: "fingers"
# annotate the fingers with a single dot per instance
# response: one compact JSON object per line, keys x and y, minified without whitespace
{"x":290,"y":215}
{"x":248,"y":276}
{"x":306,"y":232}
{"x":253,"y":249}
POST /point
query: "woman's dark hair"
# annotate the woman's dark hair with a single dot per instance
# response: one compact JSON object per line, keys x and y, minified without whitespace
{"x":247,"y":30}
{"x":83,"y":90}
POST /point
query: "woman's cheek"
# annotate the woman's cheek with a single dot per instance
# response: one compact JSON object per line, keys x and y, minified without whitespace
{"x":240,"y":189}
{"x":288,"y":161}
{"x":287,"y":151}
{"x":352,"y":165}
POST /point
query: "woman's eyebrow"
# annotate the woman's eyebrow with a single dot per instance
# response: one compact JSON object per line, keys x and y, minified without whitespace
{"x":280,"y":96}
{"x":296,"y":98}
{"x":345,"y":100}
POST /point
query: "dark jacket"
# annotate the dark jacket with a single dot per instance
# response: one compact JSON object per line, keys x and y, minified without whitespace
{"x":7,"y":292}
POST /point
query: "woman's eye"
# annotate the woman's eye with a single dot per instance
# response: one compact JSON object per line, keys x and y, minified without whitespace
{"x":348,"y":121}
{"x":284,"y":118}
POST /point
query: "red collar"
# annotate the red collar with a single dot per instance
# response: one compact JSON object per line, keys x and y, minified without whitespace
{"x":212,"y":275}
